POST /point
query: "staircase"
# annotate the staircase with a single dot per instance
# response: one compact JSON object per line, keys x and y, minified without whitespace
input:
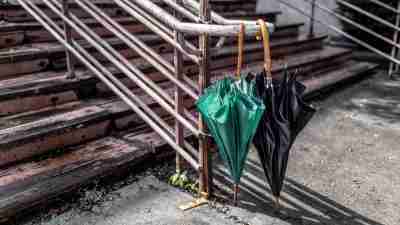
{"x":57,"y":134}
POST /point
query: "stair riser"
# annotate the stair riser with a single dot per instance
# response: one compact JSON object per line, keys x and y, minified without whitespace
{"x":40,"y":61}
{"x":36,"y":102}
{"x":23,"y":67}
{"x":37,"y":36}
{"x":8,"y":39}
{"x":42,"y":145}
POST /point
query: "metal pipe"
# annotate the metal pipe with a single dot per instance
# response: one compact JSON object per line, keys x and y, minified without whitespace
{"x":370,"y":15}
{"x":136,"y":44}
{"x":92,"y":65}
{"x":124,"y":65}
{"x":394,"y":67}
{"x":178,"y":63}
{"x":345,"y":34}
{"x":311,"y":31}
{"x":68,"y":36}
{"x":251,"y":26}
{"x":205,"y":175}
{"x":195,"y":28}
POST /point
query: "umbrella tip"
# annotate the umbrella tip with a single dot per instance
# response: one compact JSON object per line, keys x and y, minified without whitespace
{"x":277,"y":203}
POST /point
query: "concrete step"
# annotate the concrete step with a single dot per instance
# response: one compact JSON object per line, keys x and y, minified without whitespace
{"x":30,"y":184}
{"x":43,"y":56}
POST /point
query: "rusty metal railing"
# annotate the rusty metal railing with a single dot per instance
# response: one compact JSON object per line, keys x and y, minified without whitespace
{"x":204,"y":23}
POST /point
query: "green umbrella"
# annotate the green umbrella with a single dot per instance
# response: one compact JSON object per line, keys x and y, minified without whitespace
{"x":232,"y":116}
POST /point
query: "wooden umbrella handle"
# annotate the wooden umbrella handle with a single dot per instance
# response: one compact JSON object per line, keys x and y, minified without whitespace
{"x":241,"y":40}
{"x":267,"y":48}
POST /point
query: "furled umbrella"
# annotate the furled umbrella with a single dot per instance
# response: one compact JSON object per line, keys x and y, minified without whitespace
{"x":285,"y":116}
{"x":232,"y":116}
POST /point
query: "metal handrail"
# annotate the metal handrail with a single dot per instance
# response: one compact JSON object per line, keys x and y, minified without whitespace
{"x":251,"y":26}
{"x":228,"y":28}
{"x":394,"y":42}
{"x":370,"y":15}
{"x":358,"y":25}
{"x":205,"y":23}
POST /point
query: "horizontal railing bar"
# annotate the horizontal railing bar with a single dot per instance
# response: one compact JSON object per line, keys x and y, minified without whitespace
{"x":347,"y":35}
{"x":194,"y":6}
{"x":195,"y":28}
{"x":148,"y":54}
{"x":370,"y":15}
{"x":92,"y":65}
{"x":359,"y":26}
{"x":124,"y":65}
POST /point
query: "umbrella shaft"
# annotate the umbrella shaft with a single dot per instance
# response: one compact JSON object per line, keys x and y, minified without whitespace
{"x":236,"y":190}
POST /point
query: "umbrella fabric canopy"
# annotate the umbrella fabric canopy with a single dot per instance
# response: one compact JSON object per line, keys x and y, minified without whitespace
{"x":232,"y":114}
{"x":232,"y":118}
{"x":285,"y":116}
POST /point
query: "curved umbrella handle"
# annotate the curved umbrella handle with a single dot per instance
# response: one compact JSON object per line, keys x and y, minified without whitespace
{"x":241,"y":40}
{"x":267,"y":48}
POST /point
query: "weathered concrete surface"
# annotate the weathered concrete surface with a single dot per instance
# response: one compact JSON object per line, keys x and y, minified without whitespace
{"x":148,"y":201}
{"x":343,"y":170}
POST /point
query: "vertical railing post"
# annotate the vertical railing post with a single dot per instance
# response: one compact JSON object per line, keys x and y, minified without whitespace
{"x":179,"y":106}
{"x":205,"y":172}
{"x":312,"y":19}
{"x":68,"y":38}
{"x":393,"y":67}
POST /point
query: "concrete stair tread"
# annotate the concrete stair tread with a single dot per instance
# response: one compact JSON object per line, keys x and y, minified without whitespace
{"x":349,"y":70}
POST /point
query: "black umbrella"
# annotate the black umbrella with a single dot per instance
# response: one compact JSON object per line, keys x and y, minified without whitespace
{"x":285,"y":116}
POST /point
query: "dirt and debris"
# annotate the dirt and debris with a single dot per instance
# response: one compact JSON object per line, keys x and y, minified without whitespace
{"x":343,"y":170}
